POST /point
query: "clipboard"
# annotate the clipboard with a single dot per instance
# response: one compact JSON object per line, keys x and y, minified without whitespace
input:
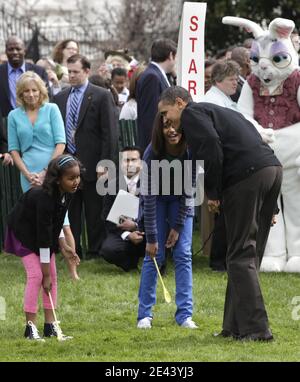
{"x":125,"y":204}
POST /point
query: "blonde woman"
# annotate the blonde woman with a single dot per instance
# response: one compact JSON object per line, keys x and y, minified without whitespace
{"x":36,"y":134}
{"x":36,"y":131}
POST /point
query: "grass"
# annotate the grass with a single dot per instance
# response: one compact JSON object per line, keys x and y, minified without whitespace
{"x":100,"y":312}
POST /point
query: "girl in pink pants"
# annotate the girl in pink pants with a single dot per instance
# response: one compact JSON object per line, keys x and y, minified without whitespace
{"x":34,"y":229}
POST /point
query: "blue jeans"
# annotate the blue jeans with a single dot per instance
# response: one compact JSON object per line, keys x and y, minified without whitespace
{"x":166,"y":212}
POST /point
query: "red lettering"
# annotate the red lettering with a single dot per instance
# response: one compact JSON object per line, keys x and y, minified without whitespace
{"x":193,"y":67}
{"x":193,"y":39}
{"x":194,"y":20}
{"x":192,"y":86}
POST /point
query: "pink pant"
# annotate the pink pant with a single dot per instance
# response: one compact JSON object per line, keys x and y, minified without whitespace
{"x":34,"y":283}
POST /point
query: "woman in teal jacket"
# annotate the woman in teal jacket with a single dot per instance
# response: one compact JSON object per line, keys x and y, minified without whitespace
{"x":36,"y":131}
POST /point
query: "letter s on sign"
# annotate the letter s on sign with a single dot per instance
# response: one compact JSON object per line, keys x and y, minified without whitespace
{"x":194,"y":20}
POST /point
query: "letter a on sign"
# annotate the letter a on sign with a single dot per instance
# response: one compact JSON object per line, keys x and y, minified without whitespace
{"x":190,"y":52}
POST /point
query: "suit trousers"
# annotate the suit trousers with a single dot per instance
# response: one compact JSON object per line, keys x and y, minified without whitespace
{"x":217,"y":259}
{"x":122,"y":253}
{"x":248,"y":209}
{"x":87,"y":200}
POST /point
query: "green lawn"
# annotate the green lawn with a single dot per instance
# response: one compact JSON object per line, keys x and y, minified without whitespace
{"x":100,"y":312}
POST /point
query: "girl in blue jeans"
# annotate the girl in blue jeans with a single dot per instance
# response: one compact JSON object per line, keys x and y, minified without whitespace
{"x":168,"y":221}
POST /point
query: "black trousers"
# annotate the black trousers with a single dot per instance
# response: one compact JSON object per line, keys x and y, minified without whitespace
{"x":122,"y":253}
{"x":217,"y":258}
{"x":248,"y":209}
{"x":87,"y":201}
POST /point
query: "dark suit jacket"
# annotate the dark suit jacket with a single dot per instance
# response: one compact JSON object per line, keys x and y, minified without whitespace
{"x":5,"y":105}
{"x":229,"y":144}
{"x":149,"y":88}
{"x":109,"y":201}
{"x":3,"y":136}
{"x":96,"y":136}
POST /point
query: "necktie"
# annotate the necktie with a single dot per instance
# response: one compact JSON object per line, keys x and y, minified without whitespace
{"x":13,"y":77}
{"x":72,"y":120}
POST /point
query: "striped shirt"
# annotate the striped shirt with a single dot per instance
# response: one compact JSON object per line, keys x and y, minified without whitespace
{"x":150,"y":191}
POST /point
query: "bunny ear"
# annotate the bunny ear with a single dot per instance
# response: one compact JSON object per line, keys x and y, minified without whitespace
{"x":250,"y":26}
{"x":281,"y":28}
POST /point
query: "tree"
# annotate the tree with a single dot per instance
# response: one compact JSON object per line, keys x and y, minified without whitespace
{"x":135,"y":24}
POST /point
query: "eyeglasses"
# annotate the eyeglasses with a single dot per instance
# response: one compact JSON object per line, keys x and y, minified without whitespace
{"x":281,"y":60}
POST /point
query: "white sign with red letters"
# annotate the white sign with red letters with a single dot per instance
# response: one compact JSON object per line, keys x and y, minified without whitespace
{"x":190,"y":53}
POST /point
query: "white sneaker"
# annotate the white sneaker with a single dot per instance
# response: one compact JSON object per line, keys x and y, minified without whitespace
{"x":144,"y":323}
{"x":189,"y":323}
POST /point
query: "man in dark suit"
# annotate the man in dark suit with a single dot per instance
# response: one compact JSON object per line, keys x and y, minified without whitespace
{"x":124,"y":244}
{"x":243,"y":174}
{"x":9,"y":74}
{"x":150,"y":86}
{"x":92,"y":135}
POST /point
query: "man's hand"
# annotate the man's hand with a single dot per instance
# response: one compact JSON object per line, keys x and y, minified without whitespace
{"x":7,"y":159}
{"x":274,"y":220}
{"x":136,"y":237}
{"x":52,"y":77}
{"x":214,"y":206}
{"x":151,"y":249}
{"x":172,"y":238}
{"x":102,"y":173}
{"x":47,"y":284}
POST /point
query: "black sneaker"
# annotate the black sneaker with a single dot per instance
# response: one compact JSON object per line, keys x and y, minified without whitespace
{"x":54,"y":330}
{"x":31,"y":332}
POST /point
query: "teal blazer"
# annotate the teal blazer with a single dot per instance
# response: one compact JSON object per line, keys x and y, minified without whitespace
{"x":48,"y":129}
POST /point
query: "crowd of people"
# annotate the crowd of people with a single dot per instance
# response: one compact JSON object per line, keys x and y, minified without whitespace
{"x":59,"y":120}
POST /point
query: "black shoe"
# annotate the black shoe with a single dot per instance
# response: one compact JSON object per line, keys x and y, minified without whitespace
{"x":259,"y":336}
{"x":31,"y":332}
{"x":52,"y":330}
{"x":227,"y":334}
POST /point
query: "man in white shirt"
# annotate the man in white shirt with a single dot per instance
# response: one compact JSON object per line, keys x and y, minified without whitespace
{"x":124,"y":244}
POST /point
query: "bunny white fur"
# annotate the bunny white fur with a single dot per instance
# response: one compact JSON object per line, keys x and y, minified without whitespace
{"x":283,"y":248}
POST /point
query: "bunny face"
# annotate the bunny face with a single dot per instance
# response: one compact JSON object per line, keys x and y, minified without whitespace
{"x":272,"y":60}
{"x":273,"y":56}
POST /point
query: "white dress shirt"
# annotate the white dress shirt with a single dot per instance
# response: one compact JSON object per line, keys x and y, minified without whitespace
{"x":217,"y":97}
{"x":162,"y":71}
{"x":132,"y":187}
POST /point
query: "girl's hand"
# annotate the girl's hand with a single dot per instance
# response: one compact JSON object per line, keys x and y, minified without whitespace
{"x":172,"y":238}
{"x":47,"y":284}
{"x":151,"y":249}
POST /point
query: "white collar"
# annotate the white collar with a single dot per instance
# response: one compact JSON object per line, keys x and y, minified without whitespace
{"x":162,"y":71}
{"x":134,"y":179}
